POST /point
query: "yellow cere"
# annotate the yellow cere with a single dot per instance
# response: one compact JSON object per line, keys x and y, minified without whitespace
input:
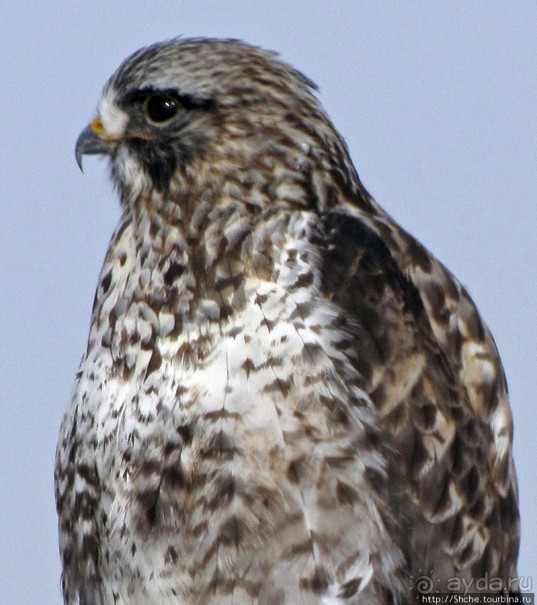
{"x":97,"y":127}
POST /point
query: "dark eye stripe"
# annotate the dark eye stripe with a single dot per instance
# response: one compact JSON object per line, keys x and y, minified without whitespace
{"x":186,"y":101}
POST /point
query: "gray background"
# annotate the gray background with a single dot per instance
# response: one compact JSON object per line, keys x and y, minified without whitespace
{"x":437,"y":101}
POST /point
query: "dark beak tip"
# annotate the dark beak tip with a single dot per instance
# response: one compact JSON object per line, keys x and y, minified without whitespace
{"x":78,"y":156}
{"x":89,"y":143}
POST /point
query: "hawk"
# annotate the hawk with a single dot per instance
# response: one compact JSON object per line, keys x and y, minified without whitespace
{"x":285,"y":398}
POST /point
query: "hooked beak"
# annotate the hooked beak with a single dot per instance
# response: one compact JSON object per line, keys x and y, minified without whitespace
{"x":93,"y":140}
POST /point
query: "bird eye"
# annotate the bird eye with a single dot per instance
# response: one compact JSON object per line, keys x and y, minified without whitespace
{"x":160,"y":108}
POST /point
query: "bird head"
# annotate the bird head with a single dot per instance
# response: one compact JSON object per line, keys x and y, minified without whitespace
{"x":193,"y":115}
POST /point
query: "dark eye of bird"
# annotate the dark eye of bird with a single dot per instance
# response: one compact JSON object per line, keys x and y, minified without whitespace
{"x":160,"y":108}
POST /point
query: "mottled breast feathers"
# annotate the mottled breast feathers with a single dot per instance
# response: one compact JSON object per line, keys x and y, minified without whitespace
{"x":285,"y":398}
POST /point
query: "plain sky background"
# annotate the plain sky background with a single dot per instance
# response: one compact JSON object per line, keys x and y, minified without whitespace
{"x":437,"y":101}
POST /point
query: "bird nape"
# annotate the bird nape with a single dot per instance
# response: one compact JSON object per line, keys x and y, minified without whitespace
{"x":285,"y":398}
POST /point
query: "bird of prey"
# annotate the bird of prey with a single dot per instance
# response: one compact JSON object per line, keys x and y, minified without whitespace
{"x":285,"y":398}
